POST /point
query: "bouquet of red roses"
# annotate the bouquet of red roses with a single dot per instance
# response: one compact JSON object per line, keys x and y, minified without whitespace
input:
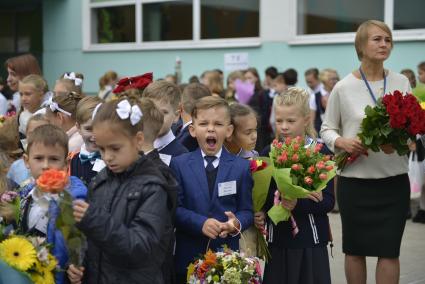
{"x":394,"y":120}
{"x":298,"y":170}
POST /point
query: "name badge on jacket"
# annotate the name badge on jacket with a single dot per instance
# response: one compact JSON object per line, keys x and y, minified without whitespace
{"x":226,"y":188}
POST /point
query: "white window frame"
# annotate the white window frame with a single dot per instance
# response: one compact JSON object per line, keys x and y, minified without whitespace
{"x":332,"y":38}
{"x":196,"y":42}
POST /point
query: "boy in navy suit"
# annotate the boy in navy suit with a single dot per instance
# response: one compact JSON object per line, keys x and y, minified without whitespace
{"x":215,"y":199}
{"x":190,"y":95}
{"x":166,"y":97}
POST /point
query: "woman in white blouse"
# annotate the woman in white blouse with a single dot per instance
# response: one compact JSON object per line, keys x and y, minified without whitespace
{"x":373,"y":192}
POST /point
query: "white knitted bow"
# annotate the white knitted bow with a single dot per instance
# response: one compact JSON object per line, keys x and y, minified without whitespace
{"x":71,"y":76}
{"x":55,"y":107}
{"x":125,"y":110}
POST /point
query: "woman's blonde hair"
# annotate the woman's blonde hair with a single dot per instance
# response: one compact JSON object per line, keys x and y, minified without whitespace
{"x":362,"y":35}
{"x":298,"y":97}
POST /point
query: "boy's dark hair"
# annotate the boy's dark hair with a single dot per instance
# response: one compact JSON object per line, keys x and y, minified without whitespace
{"x":163,"y":91}
{"x":312,"y":71}
{"x":48,"y":135}
{"x":191,"y":94}
{"x":209,"y":102}
{"x":193,"y":79}
{"x":107,"y":112}
{"x":271,"y":72}
{"x":291,"y":76}
{"x":152,"y":119}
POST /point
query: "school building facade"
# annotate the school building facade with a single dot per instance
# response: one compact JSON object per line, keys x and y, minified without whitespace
{"x":137,"y":36}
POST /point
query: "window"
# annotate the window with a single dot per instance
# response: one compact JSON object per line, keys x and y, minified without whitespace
{"x":332,"y":21}
{"x":409,"y":14}
{"x":229,"y":19}
{"x":167,"y":21}
{"x":336,"y":16}
{"x":158,"y":24}
{"x":114,"y":24}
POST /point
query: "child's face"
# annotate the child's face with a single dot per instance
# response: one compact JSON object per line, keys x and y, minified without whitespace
{"x":250,"y":77}
{"x":210,"y":128}
{"x":279,"y":86}
{"x":42,"y":157}
{"x":245,"y":134}
{"x":290,"y":121}
{"x":170,"y":116}
{"x":119,"y":151}
{"x":86,"y":131}
{"x":31,"y":99}
{"x":421,"y":75}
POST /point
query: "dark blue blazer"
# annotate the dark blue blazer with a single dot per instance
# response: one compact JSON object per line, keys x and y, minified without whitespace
{"x":194,"y":205}
{"x":174,"y":149}
{"x":187,"y":140}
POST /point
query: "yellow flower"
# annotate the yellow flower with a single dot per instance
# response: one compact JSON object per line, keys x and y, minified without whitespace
{"x":190,"y":270}
{"x":42,"y":275}
{"x":52,"y":263}
{"x":423,"y":105}
{"x":18,"y":252}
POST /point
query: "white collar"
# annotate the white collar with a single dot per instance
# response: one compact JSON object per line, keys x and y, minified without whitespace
{"x":40,"y":197}
{"x":218,"y":154}
{"x":162,"y":142}
{"x":186,"y":125}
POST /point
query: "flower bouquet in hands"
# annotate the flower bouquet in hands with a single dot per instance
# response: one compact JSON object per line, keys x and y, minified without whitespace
{"x":261,"y":170}
{"x":31,"y":257}
{"x":55,"y":182}
{"x":388,"y":126}
{"x":226,"y":266}
{"x":299,"y":169}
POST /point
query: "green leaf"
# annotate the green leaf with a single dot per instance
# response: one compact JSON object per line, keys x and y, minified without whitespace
{"x":277,"y":214}
{"x":262,"y":180}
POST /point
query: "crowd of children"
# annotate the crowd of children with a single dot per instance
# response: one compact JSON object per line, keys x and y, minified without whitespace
{"x":160,"y":174}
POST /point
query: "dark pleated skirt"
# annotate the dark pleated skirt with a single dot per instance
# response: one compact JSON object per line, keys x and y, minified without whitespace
{"x":297,"y":266}
{"x":373,"y":214}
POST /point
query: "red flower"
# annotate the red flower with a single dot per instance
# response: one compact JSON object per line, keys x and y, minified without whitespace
{"x":323,"y":176}
{"x":295,"y":158}
{"x":308,"y":180}
{"x":296,"y":167}
{"x":311,"y":169}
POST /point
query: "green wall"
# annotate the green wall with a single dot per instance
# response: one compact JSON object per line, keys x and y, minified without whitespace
{"x":63,"y":52}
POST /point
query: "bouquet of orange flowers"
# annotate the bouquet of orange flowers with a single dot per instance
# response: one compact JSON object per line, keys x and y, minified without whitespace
{"x":55,"y":182}
{"x":226,"y":266}
{"x":298,"y":170}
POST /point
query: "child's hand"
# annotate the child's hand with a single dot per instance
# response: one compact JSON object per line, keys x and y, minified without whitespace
{"x":231,"y":226}
{"x":259,"y":219}
{"x":289,"y":204}
{"x":75,"y":274}
{"x":80,"y":208}
{"x":211,"y":228}
{"x":315,"y":196}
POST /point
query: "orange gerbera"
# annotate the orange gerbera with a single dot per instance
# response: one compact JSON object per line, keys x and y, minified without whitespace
{"x":210,"y":258}
{"x":52,"y":181}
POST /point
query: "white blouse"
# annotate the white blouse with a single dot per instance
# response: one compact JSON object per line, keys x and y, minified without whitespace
{"x":344,"y":114}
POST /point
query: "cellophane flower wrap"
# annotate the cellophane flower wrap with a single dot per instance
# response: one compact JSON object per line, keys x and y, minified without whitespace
{"x":55,"y":182}
{"x":226,"y":267}
{"x":31,"y":257}
{"x":262,"y":171}
{"x":394,"y":120}
{"x":298,"y":170}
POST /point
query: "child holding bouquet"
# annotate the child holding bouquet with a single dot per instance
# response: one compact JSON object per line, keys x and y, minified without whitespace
{"x":298,"y":246}
{"x":47,"y":149}
{"x":127,"y":220}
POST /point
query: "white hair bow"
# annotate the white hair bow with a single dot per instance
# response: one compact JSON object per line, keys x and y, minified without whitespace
{"x":71,"y":76}
{"x":125,"y":110}
{"x":55,"y":107}
{"x":95,"y":110}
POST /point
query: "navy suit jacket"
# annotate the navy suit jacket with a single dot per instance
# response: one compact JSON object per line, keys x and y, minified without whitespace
{"x":187,"y":140}
{"x":195,"y":205}
{"x":175,"y":148}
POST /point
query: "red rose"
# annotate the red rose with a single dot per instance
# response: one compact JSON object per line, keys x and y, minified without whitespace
{"x":52,"y":181}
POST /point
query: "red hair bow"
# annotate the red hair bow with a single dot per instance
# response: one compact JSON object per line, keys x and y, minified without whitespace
{"x":137,"y":82}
